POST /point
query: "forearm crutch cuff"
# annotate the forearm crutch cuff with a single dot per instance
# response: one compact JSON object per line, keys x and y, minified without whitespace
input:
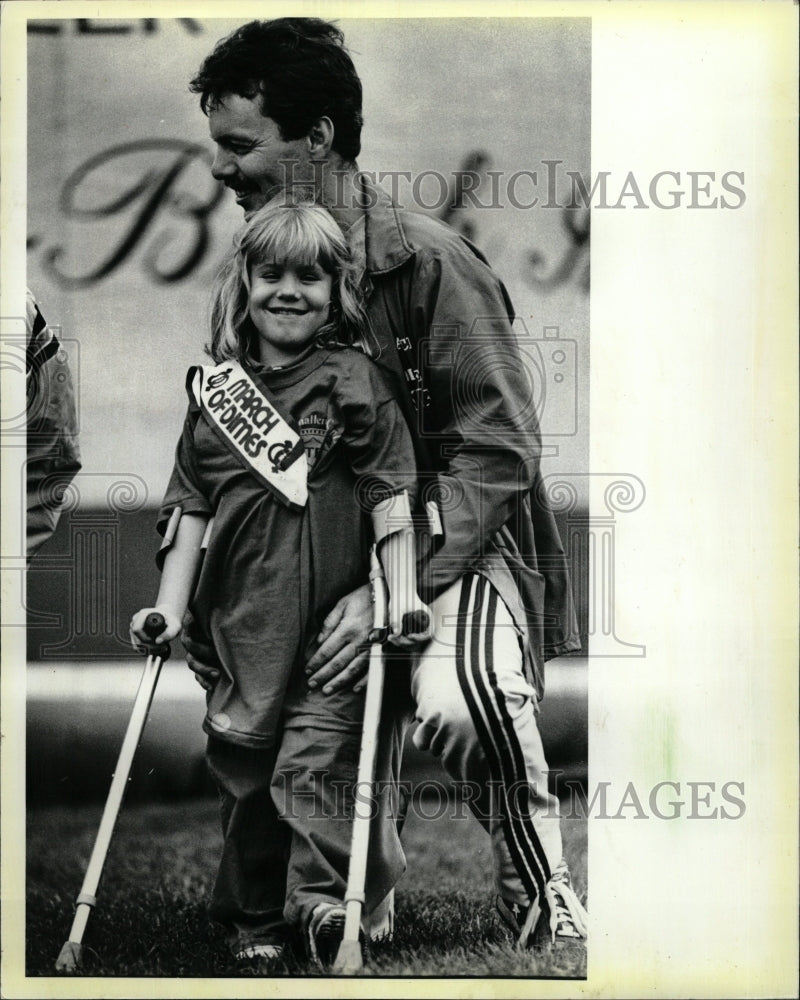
{"x":391,"y":515}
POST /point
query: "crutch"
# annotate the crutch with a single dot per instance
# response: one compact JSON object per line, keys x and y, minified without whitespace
{"x":70,"y":956}
{"x":348,"y":958}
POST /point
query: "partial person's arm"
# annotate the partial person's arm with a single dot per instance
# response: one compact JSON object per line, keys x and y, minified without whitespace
{"x":53,"y":457}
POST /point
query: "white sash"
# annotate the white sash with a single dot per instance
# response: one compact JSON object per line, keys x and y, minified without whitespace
{"x":248,"y":421}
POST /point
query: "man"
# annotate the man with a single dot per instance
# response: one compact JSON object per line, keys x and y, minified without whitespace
{"x":283,"y":102}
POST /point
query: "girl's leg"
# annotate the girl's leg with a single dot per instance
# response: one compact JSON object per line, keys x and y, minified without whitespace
{"x":250,"y":887}
{"x":315,"y":774}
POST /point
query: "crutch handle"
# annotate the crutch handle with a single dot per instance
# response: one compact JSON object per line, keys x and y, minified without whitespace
{"x":416,"y":622}
{"x":154,"y":624}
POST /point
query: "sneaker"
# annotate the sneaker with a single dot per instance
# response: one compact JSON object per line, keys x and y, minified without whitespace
{"x":568,"y":917}
{"x":325,"y":933}
{"x":260,"y":951}
{"x":257,"y":953}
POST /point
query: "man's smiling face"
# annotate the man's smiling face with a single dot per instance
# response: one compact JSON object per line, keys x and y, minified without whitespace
{"x":249,"y":152}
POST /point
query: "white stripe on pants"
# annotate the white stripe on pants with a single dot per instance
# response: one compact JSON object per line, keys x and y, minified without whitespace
{"x":475,"y":711}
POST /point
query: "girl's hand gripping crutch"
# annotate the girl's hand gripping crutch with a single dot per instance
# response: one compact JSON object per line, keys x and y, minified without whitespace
{"x":70,"y":956}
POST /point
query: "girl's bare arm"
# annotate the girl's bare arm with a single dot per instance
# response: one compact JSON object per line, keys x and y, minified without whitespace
{"x":177,"y":579}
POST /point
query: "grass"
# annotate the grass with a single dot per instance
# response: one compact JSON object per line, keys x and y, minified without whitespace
{"x":151,"y":921}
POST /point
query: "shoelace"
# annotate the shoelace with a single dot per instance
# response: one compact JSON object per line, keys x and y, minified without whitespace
{"x":565,"y":907}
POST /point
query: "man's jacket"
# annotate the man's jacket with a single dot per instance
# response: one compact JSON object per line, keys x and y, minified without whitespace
{"x":444,"y":322}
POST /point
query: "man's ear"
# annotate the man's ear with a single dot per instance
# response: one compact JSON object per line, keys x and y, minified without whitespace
{"x":320,"y":137}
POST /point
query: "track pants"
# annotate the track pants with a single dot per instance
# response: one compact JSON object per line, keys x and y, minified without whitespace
{"x":475,"y":710}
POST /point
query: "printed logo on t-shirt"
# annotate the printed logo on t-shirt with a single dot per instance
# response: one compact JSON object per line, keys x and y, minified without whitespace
{"x":315,"y":428}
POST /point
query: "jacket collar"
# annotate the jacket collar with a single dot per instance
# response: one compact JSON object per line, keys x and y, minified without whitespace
{"x":386,"y":243}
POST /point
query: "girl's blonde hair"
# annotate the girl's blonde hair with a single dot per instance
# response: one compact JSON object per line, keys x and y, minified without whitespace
{"x":287,"y":233}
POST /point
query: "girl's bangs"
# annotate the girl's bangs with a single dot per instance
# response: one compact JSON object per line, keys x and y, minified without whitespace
{"x":288,"y":238}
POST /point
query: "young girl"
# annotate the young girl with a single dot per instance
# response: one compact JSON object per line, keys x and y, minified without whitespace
{"x":294,"y":458}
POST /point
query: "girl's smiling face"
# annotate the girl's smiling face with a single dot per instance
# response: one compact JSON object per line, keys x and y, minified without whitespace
{"x":289,"y":302}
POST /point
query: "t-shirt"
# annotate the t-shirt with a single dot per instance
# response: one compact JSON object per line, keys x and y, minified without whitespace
{"x":271,"y":573}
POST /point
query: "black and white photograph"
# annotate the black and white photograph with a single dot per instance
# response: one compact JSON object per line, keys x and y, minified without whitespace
{"x":491,"y":683}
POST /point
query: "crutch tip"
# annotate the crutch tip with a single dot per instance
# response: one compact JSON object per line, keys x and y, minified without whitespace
{"x":69,"y":958}
{"x":349,"y":959}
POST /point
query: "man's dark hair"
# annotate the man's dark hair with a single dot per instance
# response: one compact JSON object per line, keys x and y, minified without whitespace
{"x":301,"y":69}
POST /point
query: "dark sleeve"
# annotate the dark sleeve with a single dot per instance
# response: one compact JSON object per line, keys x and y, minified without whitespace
{"x":483,"y":404}
{"x":53,"y":457}
{"x":374,"y":431}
